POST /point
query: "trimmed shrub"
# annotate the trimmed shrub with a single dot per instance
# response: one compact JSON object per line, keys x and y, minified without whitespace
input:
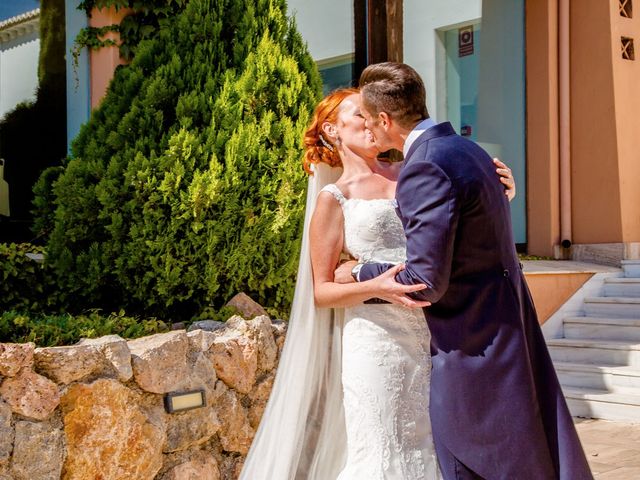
{"x":44,"y":201}
{"x":185,"y":187}
{"x":24,"y":283}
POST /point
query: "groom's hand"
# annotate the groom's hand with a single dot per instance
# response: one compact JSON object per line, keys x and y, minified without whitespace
{"x":395,"y":292}
{"x":385,"y":285}
{"x":343,"y":272}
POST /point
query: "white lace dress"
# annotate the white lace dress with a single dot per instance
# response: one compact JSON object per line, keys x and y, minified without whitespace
{"x":386,"y":361}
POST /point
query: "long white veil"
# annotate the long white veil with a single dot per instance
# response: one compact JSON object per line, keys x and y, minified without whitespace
{"x":302,"y":433}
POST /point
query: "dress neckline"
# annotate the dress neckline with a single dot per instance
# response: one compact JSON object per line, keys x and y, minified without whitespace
{"x":359,"y":199}
{"x":370,"y":199}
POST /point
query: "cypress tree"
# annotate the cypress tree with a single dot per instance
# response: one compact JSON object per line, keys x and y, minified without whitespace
{"x":185,"y":187}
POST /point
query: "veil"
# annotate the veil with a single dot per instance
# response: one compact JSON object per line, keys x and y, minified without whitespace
{"x":302,"y":433}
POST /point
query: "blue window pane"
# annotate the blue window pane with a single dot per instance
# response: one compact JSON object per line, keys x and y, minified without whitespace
{"x":336,"y":77}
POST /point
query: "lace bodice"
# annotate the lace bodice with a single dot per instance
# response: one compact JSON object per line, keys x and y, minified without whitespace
{"x":372,"y":229}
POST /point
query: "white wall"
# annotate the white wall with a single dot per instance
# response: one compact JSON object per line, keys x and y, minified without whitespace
{"x":327,"y":26}
{"x":18,"y":71}
{"x":424,"y":47}
{"x":78,"y":78}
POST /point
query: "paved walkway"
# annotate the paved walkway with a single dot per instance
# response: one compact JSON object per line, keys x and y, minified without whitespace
{"x":613,"y":449}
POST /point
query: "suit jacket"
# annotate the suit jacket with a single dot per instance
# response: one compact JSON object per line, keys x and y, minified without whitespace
{"x":496,"y":403}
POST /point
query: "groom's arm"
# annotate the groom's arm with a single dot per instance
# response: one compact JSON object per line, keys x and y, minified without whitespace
{"x":429,"y":209}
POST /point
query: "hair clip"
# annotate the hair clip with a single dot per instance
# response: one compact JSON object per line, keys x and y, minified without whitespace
{"x":325,"y":143}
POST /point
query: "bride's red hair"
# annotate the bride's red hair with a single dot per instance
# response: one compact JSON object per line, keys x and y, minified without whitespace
{"x":315,"y":150}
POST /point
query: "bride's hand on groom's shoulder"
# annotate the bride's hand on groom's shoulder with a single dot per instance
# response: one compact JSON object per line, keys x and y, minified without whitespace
{"x":397,"y":293}
{"x":506,"y":178}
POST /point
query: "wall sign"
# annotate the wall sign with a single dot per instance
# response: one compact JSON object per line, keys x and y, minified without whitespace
{"x":465,"y":41}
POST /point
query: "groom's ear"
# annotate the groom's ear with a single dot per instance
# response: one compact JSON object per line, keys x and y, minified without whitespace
{"x":385,"y":121}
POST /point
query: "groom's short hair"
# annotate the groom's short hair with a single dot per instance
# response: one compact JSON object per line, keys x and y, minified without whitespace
{"x":394,"y":88}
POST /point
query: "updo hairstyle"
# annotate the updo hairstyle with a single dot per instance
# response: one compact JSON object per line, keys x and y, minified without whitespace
{"x":318,"y":147}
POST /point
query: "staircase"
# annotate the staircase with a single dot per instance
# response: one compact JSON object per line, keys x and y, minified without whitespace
{"x":598,"y":360}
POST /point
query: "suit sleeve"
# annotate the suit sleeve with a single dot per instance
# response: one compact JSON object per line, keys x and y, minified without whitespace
{"x":429,"y":207}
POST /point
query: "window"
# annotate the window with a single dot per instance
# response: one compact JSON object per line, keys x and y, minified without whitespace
{"x":337,"y":72}
{"x":626,"y":8}
{"x":627,"y":48}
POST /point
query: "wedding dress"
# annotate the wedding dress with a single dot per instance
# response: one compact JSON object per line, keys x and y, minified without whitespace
{"x":386,"y":361}
{"x":350,"y":400}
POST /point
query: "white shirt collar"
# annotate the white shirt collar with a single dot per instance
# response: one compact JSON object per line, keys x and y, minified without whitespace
{"x":419,"y":129}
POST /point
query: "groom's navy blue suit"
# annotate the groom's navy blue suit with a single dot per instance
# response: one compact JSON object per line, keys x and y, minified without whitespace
{"x":496,"y":406}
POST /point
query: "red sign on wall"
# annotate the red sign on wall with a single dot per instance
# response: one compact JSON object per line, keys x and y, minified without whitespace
{"x":465,"y":41}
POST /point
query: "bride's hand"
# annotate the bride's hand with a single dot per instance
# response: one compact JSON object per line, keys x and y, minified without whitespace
{"x":396,"y":292}
{"x":506,"y":177}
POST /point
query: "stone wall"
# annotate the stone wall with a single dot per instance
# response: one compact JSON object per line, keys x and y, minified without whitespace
{"x":95,"y":410}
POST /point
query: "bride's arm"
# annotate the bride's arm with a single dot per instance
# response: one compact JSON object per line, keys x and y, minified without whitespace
{"x":326,"y":236}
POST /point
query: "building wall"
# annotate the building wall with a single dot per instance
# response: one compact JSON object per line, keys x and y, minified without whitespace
{"x":604,"y":130}
{"x":87,"y":82}
{"x":595,"y":169}
{"x":429,"y":27}
{"x":543,"y":178}
{"x":103,"y":61}
{"x":626,"y":81}
{"x":18,"y":70}
{"x":424,"y":46}
{"x":605,"y":99}
{"x":78,"y":82}
{"x":328,"y":29}
{"x":327,"y":26}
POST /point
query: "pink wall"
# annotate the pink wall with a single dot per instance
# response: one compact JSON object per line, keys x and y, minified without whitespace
{"x":626,"y":79}
{"x":104,"y":60}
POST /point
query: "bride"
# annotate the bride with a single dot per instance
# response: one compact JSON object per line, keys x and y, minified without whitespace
{"x":351,"y":395}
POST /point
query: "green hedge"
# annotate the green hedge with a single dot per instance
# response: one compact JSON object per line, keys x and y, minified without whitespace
{"x":65,"y":329}
{"x":25,"y":284}
{"x":32,"y":306}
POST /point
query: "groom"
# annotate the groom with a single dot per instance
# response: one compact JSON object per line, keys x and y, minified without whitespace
{"x":496,"y":407}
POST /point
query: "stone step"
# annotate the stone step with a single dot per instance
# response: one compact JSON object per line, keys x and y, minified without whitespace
{"x":610,"y":378}
{"x":592,"y":403}
{"x":622,"y":287}
{"x":595,"y":352}
{"x":602,"y":328}
{"x":631,"y":268}
{"x":618,"y":307}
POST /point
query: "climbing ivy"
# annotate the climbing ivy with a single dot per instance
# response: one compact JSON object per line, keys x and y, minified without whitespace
{"x":147,"y":18}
